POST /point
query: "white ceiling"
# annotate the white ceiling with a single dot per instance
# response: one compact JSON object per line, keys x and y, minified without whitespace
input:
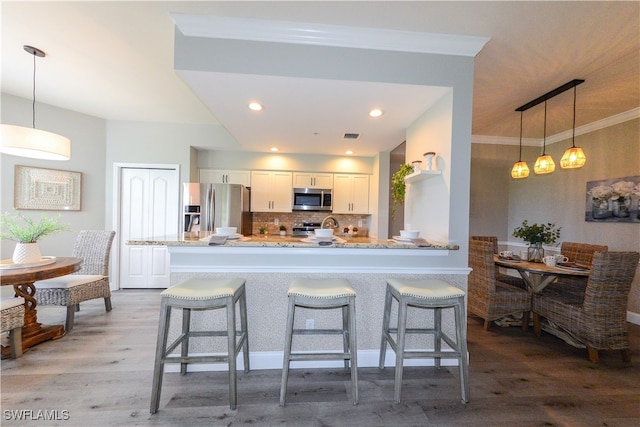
{"x":115,"y":60}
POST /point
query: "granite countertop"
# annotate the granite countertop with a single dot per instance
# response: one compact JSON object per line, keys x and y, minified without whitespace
{"x":259,"y":240}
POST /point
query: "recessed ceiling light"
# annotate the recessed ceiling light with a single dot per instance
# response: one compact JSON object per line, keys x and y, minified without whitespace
{"x":274,"y":149}
{"x":348,"y":152}
{"x":255,"y":106}
{"x":376,"y":112}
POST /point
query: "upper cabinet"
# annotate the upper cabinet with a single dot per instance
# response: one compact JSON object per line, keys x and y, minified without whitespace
{"x":350,"y":194}
{"x":221,"y":176}
{"x":312,"y":180}
{"x":271,"y":191}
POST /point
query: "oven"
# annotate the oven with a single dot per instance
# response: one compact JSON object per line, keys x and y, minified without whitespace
{"x":311,"y":199}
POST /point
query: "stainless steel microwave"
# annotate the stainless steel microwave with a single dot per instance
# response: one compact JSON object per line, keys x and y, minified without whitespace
{"x":311,"y":199}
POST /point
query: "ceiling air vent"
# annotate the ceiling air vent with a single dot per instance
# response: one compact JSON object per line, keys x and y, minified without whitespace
{"x":351,"y":136}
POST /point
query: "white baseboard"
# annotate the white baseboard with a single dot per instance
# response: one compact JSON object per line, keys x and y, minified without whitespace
{"x":273,"y":360}
{"x":633,"y":317}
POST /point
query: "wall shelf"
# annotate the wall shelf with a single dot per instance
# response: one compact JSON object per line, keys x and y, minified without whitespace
{"x":421,"y":175}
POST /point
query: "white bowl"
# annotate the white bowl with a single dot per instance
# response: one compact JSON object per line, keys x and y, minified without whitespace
{"x":226,"y":231}
{"x":409,"y":234}
{"x":323,"y":232}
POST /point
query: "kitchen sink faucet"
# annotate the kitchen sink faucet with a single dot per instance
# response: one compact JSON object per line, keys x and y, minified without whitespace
{"x":324,"y":221}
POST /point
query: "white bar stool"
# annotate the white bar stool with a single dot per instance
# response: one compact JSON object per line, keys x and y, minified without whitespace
{"x":202,"y":294}
{"x":323,"y":294}
{"x":430,"y":294}
{"x":12,"y":315}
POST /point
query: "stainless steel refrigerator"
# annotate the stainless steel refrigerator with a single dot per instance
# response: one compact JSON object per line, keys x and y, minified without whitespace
{"x":207,"y":206}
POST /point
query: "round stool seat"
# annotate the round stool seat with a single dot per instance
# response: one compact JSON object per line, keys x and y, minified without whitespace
{"x":321,"y":288}
{"x":427,"y":289}
{"x":202,"y":289}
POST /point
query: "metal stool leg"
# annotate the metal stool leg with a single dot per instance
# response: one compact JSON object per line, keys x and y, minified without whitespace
{"x":437,"y":335}
{"x":463,"y":361}
{"x":184,"y":345}
{"x":244,"y":329}
{"x":231,"y":349}
{"x":353,"y":347}
{"x":402,"y":326}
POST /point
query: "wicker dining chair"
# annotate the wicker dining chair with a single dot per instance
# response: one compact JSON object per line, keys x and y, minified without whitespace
{"x":12,"y":321}
{"x":581,"y":253}
{"x":488,"y":297}
{"x":599,"y":320}
{"x":90,"y":282}
{"x":503,"y":278}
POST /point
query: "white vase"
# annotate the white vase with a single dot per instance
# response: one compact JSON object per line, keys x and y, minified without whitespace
{"x":26,"y":253}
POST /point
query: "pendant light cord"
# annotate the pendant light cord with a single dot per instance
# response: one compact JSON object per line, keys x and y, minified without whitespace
{"x":33,"y":104}
{"x":520,"y":154}
{"x":544,"y":135}
{"x":573,"y":137}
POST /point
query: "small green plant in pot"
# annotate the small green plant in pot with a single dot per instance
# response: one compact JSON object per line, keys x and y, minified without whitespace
{"x":536,"y":235}
{"x":27,"y":232}
{"x":283,"y":230}
{"x":398,"y":186}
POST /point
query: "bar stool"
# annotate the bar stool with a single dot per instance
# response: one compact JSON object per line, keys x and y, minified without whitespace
{"x":431,"y":294}
{"x":202,"y":294}
{"x":323,"y":294}
{"x":12,"y":316}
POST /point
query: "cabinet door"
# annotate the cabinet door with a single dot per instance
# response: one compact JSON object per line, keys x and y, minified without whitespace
{"x":342,"y":193}
{"x":350,"y":194}
{"x":312,"y":180}
{"x":360,"y":195}
{"x":223,"y":176}
{"x":281,"y":192}
{"x":260,"y":191}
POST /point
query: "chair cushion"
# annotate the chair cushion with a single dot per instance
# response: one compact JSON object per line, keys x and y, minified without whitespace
{"x":194,"y":289}
{"x":321,"y":288}
{"x":428,"y":288}
{"x":9,"y":302}
{"x":68,"y":281}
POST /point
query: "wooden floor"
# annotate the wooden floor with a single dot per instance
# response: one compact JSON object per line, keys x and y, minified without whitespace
{"x":100,"y":375}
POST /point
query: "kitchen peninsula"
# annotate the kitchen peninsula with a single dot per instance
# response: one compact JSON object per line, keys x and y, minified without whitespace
{"x":269,"y":263}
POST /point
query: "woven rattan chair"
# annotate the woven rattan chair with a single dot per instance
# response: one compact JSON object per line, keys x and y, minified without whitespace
{"x":488,"y":297}
{"x":581,"y":253}
{"x":599,"y":320}
{"x":90,"y":282}
{"x":12,"y":321}
{"x":504,"y":278}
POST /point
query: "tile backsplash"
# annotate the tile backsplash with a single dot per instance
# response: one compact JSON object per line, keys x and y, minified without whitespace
{"x":266,"y":220}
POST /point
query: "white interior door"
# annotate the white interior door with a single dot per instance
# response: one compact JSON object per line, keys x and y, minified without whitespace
{"x":149,"y":206}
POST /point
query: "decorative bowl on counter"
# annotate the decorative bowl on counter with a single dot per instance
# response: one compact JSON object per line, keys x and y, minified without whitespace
{"x":409,"y":234}
{"x":226,"y":231}
{"x":323,"y":232}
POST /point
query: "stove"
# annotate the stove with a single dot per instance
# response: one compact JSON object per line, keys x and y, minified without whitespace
{"x":304,"y":229}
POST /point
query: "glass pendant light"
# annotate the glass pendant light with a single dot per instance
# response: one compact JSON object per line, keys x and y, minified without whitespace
{"x":29,"y":141}
{"x":544,"y":163}
{"x":574,"y":157}
{"x":520,"y":169}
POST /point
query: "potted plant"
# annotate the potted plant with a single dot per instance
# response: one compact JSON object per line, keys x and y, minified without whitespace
{"x":283,"y":230}
{"x":536,"y":235}
{"x":398,"y":187}
{"x":26,"y":232}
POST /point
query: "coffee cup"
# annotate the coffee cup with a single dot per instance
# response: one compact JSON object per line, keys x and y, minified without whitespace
{"x":561,"y":258}
{"x":524,"y":255}
{"x":506,"y":254}
{"x":549,"y":261}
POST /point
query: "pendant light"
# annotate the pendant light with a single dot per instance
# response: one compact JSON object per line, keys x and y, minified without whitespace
{"x":31,"y":142}
{"x":544,"y":163}
{"x":520,"y":169}
{"x":574,"y":157}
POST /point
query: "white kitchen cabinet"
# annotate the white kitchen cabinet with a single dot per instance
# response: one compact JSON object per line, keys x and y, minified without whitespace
{"x":271,"y":191}
{"x":223,"y":176}
{"x":350,"y":194}
{"x":312,"y":180}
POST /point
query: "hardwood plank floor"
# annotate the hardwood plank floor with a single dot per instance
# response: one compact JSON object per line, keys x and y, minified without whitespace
{"x":100,"y":375}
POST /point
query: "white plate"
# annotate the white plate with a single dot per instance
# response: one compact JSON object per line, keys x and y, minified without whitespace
{"x":402,"y":239}
{"x":7,"y":264}
{"x":232,"y":237}
{"x":315,"y":238}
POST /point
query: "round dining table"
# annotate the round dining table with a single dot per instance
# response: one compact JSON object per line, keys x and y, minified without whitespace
{"x":538,"y":275}
{"x":23,"y":282}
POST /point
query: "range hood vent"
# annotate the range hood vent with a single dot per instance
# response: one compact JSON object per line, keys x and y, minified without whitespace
{"x":351,"y":136}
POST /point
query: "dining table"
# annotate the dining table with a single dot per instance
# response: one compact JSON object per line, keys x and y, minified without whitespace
{"x":538,"y":275}
{"x":23,"y":280}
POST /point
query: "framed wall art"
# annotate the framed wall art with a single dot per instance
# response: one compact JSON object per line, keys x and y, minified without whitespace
{"x":613,"y":200}
{"x":47,"y":189}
